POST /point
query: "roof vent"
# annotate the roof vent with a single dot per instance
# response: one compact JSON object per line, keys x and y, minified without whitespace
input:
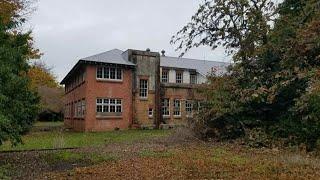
{"x":148,"y":50}
{"x":163,"y":52}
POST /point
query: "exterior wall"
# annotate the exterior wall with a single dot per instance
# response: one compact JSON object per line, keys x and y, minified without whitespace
{"x":73,"y":95}
{"x":186,"y":77}
{"x":183,"y":93}
{"x":172,"y":76}
{"x":108,"y":89}
{"x":147,"y":68}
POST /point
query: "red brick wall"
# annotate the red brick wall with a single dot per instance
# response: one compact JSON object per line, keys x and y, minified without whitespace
{"x":76,"y":94}
{"x":108,"y":89}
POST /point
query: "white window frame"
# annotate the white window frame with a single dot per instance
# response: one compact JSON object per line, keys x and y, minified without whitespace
{"x":165,"y":76}
{"x":106,"y":73}
{"x":179,"y":79}
{"x":143,"y":88}
{"x":175,"y":108}
{"x":167,"y":107}
{"x":109,"y":103}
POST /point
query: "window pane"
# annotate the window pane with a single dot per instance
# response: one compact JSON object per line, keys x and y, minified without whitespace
{"x":119,"y":109}
{"x":99,"y":101}
{"x":99,"y":108}
{"x":105,"y":108}
{"x":99,"y":72}
{"x":112,"y":108}
{"x":106,"y":73}
{"x":106,"y":101}
{"x":112,"y":73}
{"x":119,"y":74}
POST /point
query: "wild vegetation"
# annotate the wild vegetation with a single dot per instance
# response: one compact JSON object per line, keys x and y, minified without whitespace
{"x":147,"y":154}
{"x":272,"y":89}
{"x":18,"y":103}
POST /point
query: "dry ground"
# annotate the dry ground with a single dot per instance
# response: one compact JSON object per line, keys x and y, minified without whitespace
{"x":173,"y":157}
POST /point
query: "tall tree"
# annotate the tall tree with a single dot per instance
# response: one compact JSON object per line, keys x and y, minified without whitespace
{"x":276,"y":53}
{"x":18,"y":104}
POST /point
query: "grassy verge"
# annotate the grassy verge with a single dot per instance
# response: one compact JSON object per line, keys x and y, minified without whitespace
{"x":54,"y":139}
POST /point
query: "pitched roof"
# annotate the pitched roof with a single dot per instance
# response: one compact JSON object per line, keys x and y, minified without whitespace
{"x":113,"y":56}
{"x":202,"y":66}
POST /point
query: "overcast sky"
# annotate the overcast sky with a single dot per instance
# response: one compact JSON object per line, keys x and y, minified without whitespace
{"x":67,"y":30}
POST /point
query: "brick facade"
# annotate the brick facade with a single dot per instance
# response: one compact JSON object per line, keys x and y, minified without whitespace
{"x":99,"y":98}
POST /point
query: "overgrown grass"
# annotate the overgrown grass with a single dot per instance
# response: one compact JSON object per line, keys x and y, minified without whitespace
{"x":4,"y":171}
{"x":76,"y":157}
{"x":54,"y":139}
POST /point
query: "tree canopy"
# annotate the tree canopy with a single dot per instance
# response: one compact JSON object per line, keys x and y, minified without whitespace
{"x":274,"y":81}
{"x":18,"y":103}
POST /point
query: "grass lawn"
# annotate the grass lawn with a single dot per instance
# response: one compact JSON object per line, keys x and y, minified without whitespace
{"x":58,"y":139}
{"x":133,"y":154}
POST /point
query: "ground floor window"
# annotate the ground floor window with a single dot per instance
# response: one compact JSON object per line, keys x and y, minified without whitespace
{"x":177,"y":107}
{"x":150,"y":112}
{"x":109,"y":105}
{"x":165,"y":107}
{"x":79,"y":108}
{"x":189,"y":107}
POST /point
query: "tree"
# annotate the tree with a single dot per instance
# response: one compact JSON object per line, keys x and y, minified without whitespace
{"x":276,"y":53}
{"x":51,"y":94}
{"x":18,"y":103}
{"x":40,"y":75}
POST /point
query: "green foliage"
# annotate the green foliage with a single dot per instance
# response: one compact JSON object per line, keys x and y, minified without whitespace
{"x":273,"y":84}
{"x":18,"y":104}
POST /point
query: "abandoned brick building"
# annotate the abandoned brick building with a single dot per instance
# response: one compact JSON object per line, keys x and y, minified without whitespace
{"x":117,"y":89}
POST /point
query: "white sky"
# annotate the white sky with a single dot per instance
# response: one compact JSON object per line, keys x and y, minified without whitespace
{"x":67,"y":30}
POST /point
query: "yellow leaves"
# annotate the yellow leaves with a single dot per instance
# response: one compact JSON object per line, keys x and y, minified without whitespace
{"x":39,"y":77}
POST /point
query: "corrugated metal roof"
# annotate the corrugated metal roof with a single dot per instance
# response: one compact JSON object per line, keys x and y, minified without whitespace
{"x":113,"y":56}
{"x":202,"y":66}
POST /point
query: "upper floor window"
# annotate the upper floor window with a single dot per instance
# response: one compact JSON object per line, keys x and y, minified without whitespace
{"x":164,"y":76}
{"x":109,"y":73}
{"x":177,"y":107}
{"x":143,"y":88}
{"x":193,"y":79}
{"x":179,"y":77}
